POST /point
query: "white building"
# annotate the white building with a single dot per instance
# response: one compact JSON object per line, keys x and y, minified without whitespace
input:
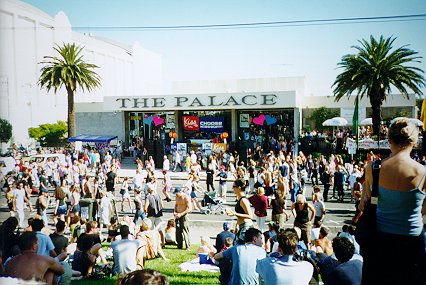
{"x":27,"y":34}
{"x":131,"y":95}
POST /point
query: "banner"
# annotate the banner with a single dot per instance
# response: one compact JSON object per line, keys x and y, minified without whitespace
{"x":244,"y":121}
{"x":207,"y":148}
{"x":367,"y":144}
{"x":170,"y":121}
{"x":218,"y":147}
{"x":181,"y":148}
{"x":190,"y":123}
{"x":211,"y":124}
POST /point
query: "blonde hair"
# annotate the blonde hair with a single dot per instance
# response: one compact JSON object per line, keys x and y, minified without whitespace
{"x":300,"y":199}
{"x":403,"y":132}
{"x":260,"y":191}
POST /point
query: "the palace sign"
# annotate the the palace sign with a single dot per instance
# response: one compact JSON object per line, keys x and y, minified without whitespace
{"x":284,"y":99}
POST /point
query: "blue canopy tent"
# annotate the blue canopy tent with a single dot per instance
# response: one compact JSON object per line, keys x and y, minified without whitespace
{"x":92,"y":138}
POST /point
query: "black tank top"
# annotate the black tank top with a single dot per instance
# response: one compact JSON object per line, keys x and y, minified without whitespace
{"x":302,"y":216}
{"x":238,"y":208}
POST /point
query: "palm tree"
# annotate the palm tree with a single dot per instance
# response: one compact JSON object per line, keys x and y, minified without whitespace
{"x":71,"y":71}
{"x":374,"y":70}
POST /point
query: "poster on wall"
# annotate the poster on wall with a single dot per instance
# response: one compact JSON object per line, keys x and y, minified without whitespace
{"x":181,"y":148}
{"x":211,"y":124}
{"x":218,"y":147}
{"x":170,"y":121}
{"x":191,"y":123}
{"x":244,"y":121}
{"x":207,"y":148}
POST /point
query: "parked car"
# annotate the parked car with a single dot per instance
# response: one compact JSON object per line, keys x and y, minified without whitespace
{"x":60,"y":157}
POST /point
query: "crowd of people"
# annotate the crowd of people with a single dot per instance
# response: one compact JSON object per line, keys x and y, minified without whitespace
{"x":255,"y":250}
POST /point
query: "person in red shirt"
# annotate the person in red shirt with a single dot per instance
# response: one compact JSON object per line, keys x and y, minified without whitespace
{"x":260,"y":204}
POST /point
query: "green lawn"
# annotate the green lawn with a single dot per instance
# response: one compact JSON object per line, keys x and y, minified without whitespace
{"x":169,"y":268}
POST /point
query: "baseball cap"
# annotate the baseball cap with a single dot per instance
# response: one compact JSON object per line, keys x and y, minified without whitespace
{"x":44,"y":190}
{"x":177,"y":190}
{"x":226,"y":226}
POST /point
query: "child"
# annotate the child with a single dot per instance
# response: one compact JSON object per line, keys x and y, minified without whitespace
{"x":170,"y":235}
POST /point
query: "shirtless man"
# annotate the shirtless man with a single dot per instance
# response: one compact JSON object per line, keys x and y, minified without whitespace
{"x":182,"y":208}
{"x":29,"y":265}
{"x":323,"y":244}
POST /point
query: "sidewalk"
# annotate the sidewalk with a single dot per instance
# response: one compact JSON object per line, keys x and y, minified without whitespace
{"x":128,"y":168}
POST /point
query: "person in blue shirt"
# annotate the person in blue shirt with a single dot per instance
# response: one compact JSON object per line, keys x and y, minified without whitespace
{"x":244,"y":258}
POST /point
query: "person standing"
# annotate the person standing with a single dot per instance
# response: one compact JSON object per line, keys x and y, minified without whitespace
{"x":319,"y":207}
{"x":154,"y":209}
{"x":242,"y":211}
{"x":260,"y":204}
{"x":178,"y":161}
{"x":326,"y":181}
{"x":139,"y":213}
{"x":138,"y":180}
{"x":223,"y":176}
{"x":279,"y":213}
{"x":110,"y":179}
{"x":244,"y":258}
{"x":167,"y":185}
{"x":166,"y":163}
{"x":401,"y":203}
{"x":339,"y":182}
{"x":300,"y":211}
{"x":125,"y":195}
{"x":210,"y":177}
{"x":181,"y":210}
{"x":42,"y":204}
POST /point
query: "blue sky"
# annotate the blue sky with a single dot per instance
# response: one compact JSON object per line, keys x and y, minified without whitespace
{"x":311,"y":51}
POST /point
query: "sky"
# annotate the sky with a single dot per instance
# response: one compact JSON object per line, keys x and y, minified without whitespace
{"x":312,"y":51}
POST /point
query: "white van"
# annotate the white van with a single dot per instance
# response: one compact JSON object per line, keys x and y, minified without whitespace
{"x":59,"y":157}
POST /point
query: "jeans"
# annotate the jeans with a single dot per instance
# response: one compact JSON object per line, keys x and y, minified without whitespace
{"x":138,"y":214}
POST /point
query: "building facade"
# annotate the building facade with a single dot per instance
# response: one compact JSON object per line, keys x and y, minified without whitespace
{"x":28,"y":34}
{"x":131,"y":101}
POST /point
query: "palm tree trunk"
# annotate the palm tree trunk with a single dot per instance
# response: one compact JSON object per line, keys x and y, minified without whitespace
{"x":376,"y":104}
{"x":71,"y":113}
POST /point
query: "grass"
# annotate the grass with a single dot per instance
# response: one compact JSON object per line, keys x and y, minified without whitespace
{"x":169,"y":268}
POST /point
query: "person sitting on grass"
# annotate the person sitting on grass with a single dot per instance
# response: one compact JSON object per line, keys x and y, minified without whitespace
{"x":143,"y":277}
{"x":125,"y":252}
{"x":348,"y":270}
{"x":170,"y":232}
{"x":151,"y":238}
{"x":91,"y":237}
{"x":206,"y":247}
{"x":31,"y":266}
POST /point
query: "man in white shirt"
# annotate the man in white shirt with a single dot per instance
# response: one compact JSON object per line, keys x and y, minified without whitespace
{"x":166,"y":164}
{"x":193,"y":157}
{"x":20,"y":199}
{"x":138,"y":180}
{"x":178,"y":161}
{"x":125,"y":252}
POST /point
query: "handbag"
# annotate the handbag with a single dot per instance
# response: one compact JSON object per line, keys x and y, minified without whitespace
{"x":366,"y":229}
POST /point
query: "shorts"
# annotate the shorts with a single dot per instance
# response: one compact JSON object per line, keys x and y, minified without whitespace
{"x":62,"y":210}
{"x":76,"y":209}
{"x":269,"y":191}
{"x":10,"y":205}
{"x":193,"y":195}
